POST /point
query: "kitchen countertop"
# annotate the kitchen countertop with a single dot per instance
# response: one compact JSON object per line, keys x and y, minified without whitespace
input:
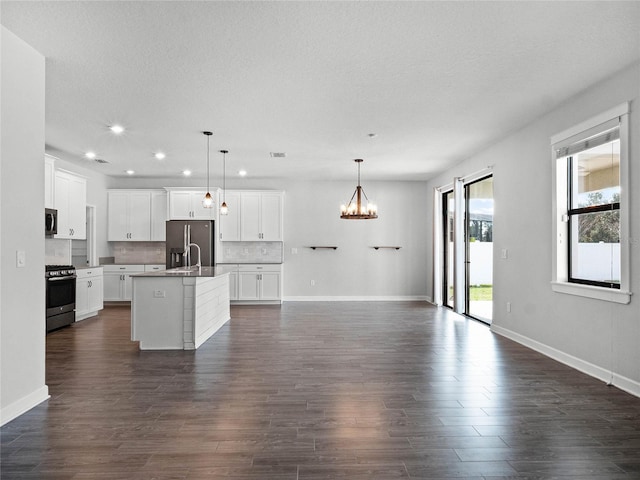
{"x":181,"y":273}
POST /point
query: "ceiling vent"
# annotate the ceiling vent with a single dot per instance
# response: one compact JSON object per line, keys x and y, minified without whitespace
{"x":278,"y":154}
{"x":99,"y":160}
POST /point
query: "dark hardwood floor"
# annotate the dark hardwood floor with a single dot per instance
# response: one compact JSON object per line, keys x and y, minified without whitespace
{"x":311,"y":391}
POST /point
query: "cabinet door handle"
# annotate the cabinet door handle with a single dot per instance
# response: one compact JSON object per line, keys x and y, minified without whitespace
{"x":89,"y":284}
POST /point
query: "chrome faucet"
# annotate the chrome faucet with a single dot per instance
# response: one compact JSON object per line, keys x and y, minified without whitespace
{"x":199,"y":263}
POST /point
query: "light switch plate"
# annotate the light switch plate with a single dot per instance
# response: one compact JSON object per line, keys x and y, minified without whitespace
{"x":21,"y":258}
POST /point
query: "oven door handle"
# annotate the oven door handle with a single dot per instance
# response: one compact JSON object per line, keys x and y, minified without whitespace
{"x":59,"y":279}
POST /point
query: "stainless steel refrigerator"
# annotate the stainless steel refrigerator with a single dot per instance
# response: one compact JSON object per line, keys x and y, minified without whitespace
{"x":182,"y":232}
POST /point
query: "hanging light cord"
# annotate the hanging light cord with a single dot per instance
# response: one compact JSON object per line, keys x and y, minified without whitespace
{"x":208,"y":136}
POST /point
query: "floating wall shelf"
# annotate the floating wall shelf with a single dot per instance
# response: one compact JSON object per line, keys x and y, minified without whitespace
{"x":381,"y":246}
{"x":325,"y":247}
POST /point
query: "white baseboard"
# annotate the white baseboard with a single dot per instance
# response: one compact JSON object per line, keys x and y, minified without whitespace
{"x":23,"y":405}
{"x":626,"y":384}
{"x":623,"y":383}
{"x":404,"y":298}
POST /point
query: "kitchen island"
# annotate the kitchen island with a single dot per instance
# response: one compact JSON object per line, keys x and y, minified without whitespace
{"x":180,"y":308}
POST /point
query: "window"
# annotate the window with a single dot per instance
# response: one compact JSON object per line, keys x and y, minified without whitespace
{"x":591,"y":208}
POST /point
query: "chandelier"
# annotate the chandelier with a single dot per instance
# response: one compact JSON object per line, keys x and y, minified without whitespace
{"x":355,"y":210}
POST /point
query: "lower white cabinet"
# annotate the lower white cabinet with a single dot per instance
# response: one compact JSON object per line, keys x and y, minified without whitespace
{"x":233,"y":285}
{"x":117,"y":281}
{"x":154,"y":268}
{"x":260,"y":283}
{"x":89,"y":293}
{"x":232,"y":270}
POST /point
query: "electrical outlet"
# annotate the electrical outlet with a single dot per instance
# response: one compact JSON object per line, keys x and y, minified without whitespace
{"x":504,"y":253}
{"x":159,"y":294}
{"x":21,"y":258}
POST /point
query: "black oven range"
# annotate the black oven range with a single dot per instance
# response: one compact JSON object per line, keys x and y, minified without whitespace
{"x":61,"y":296}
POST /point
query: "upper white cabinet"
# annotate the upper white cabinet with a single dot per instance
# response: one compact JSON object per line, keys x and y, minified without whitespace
{"x":136,"y":215}
{"x":230,"y":223}
{"x":158,"y":215}
{"x":187,"y":205}
{"x":49,"y":179}
{"x":128,"y":215}
{"x":70,"y":193}
{"x":261,"y":216}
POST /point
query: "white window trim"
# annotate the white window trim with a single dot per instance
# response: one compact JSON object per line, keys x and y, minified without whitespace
{"x":560,"y":281}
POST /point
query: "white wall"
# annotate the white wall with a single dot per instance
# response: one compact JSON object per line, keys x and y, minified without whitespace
{"x":354,"y":270}
{"x":22,"y":290}
{"x":596,"y":336}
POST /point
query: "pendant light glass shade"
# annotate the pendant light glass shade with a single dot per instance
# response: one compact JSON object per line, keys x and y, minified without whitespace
{"x":207,"y":201}
{"x":224,"y":210}
{"x":355,"y":209}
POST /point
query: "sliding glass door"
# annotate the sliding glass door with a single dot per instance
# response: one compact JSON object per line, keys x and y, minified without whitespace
{"x":463,"y":255}
{"x":448,"y":207}
{"x":479,"y":249}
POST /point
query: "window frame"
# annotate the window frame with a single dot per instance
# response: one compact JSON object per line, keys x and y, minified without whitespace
{"x":561,"y":281}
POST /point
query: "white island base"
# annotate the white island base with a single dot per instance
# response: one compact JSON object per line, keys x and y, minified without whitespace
{"x":178,"y":311}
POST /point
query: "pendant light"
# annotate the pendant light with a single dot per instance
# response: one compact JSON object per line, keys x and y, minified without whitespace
{"x":355,"y":210}
{"x":224,"y":210}
{"x":207,"y":201}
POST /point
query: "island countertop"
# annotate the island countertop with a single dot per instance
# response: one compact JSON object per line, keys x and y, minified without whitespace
{"x":193,"y":272}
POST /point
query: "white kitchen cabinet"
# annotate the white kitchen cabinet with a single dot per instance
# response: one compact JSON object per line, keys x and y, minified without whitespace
{"x":70,"y":193}
{"x":230,"y":223}
{"x":89,"y":292}
{"x":260,"y":283}
{"x":233,"y":285}
{"x":128,"y":215}
{"x":158,"y":215}
{"x":261,"y":216}
{"x":154,"y":268}
{"x":49,"y":182}
{"x":187,"y":205}
{"x":232,"y":270}
{"x":117,"y":281}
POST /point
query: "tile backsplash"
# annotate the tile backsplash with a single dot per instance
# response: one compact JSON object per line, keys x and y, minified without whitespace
{"x":251,"y":252}
{"x":138,"y":253}
{"x":57,"y":251}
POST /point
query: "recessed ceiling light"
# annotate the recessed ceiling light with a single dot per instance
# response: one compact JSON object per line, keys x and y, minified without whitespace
{"x":160,"y":156}
{"x":90,"y":155}
{"x":242,"y":173}
{"x":130,"y":172}
{"x":117,"y":129}
{"x":186,"y":173}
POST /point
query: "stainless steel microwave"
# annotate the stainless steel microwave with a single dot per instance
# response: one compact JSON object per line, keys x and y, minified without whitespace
{"x":50,"y":221}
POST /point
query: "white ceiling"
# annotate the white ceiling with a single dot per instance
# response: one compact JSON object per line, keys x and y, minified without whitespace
{"x":436,"y":81}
